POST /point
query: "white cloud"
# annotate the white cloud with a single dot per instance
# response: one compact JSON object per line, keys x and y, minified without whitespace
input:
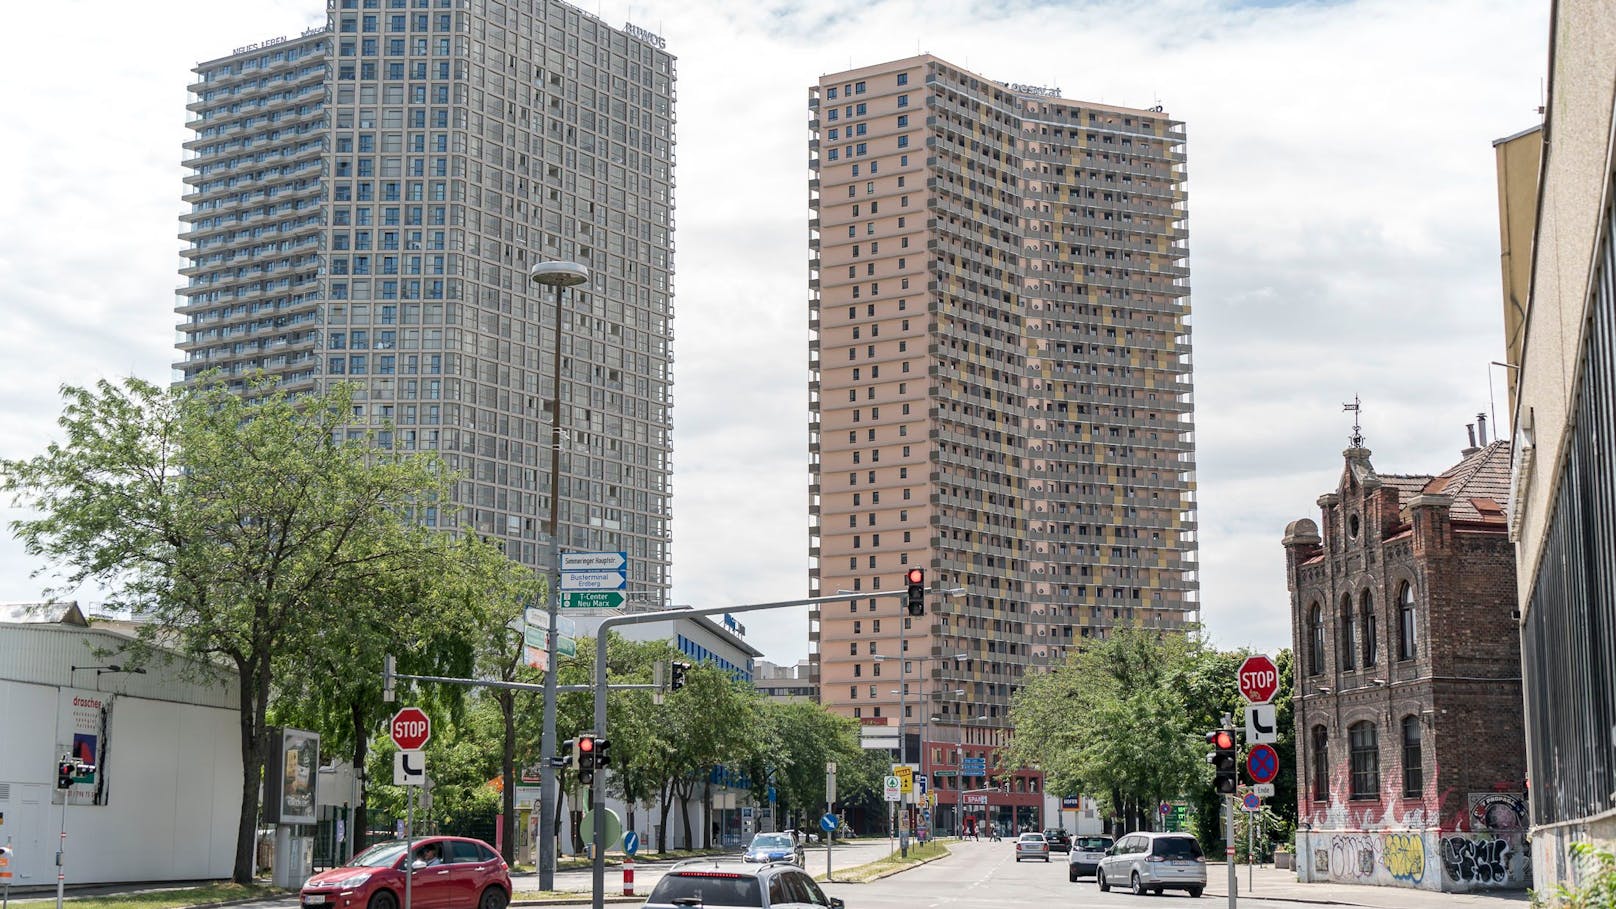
{"x":1342,"y":231}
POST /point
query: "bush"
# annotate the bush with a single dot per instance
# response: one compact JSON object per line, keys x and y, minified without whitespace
{"x":1596,"y":881}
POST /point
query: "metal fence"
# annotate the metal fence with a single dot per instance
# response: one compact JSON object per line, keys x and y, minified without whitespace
{"x":1569,"y":639}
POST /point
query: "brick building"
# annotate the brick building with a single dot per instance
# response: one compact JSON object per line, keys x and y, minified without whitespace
{"x":1410,"y":756}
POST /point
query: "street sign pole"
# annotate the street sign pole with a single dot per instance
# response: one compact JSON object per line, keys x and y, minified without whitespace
{"x":1234,"y":880}
{"x":409,"y":835}
{"x":61,"y":850}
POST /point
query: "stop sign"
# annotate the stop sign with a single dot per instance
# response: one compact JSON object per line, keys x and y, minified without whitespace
{"x":1259,"y":679}
{"x":410,"y":729}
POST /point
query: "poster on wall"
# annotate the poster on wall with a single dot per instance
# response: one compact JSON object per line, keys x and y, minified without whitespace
{"x":81,"y":735}
{"x":289,"y":777}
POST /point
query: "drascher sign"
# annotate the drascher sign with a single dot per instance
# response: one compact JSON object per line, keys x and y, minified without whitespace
{"x":1039,"y":90}
{"x":646,"y":35}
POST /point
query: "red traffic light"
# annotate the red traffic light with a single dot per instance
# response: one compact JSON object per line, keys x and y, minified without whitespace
{"x":586,"y":744}
{"x":915,"y":576}
{"x":1223,"y":739}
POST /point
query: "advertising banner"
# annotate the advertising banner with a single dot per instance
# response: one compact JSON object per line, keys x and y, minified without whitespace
{"x":289,"y":777}
{"x":82,"y":719}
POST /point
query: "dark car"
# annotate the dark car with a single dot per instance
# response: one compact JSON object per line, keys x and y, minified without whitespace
{"x":719,"y":883}
{"x":1059,"y":840}
{"x":448,"y":872}
{"x":774,"y":847}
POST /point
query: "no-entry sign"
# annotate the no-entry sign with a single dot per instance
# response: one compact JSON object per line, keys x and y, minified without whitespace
{"x":1259,"y":679}
{"x":410,"y":729}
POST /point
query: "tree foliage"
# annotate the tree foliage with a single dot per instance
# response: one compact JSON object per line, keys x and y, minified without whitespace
{"x":227,"y":523}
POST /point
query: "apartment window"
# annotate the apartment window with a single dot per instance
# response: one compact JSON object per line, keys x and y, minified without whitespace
{"x":858,"y":88}
{"x":903,"y":100}
{"x":903,"y":78}
{"x":1321,"y":764}
{"x":862,"y":109}
{"x":1371,"y":635}
{"x":1413,"y":759}
{"x":830,"y":93}
{"x":1349,"y":636}
{"x":1364,"y":757}
{"x":1406,"y":641}
{"x":1315,"y":650}
{"x":903,"y":121}
{"x":903,"y":141}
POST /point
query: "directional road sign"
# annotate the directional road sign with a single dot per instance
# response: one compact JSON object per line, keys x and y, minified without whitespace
{"x":592,"y":599}
{"x":410,"y":729}
{"x":1261,"y":728}
{"x":829,"y":823}
{"x":631,"y":842}
{"x":1262,"y":763}
{"x":593,"y":561}
{"x":1258,"y":678}
{"x":594,"y":580}
{"x":974,"y":766}
{"x":409,"y":768}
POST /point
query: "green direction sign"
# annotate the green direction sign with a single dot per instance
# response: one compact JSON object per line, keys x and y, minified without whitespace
{"x":591,"y":599}
{"x":945,"y":773}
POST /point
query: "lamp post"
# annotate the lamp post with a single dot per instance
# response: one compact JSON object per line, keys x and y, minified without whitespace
{"x":559,"y":275}
{"x":903,"y":739}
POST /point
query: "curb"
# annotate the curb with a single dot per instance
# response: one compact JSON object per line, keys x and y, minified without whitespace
{"x":891,"y":871}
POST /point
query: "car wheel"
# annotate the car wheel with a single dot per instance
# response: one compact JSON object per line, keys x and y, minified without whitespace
{"x":383,"y":900}
{"x":1071,"y":873}
{"x":1159,"y":891}
{"x":1138,"y":885}
{"x":1195,"y":892}
{"x":1099,"y":878}
{"x":493,"y":898}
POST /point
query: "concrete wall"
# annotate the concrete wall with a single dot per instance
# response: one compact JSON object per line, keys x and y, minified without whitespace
{"x":173,"y":791}
{"x":1419,"y":859}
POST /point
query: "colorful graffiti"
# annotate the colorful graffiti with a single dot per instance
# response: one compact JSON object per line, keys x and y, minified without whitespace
{"x":1404,"y":857}
{"x":1476,"y":861}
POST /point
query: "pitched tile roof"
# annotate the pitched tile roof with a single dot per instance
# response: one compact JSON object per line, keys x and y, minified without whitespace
{"x":1479,"y":484}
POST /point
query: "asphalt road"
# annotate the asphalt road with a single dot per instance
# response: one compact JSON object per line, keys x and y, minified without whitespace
{"x":845,"y":855}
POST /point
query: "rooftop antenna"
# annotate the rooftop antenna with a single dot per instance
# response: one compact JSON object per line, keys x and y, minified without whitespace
{"x":1357,"y":419}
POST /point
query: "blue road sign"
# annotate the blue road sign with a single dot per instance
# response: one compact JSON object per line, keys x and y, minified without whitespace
{"x":828,"y":823}
{"x":1251,"y":802}
{"x":974,"y":766}
{"x":631,"y":842}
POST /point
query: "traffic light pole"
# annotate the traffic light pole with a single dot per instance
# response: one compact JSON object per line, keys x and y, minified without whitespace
{"x":598,"y":786}
{"x":1234,"y":879}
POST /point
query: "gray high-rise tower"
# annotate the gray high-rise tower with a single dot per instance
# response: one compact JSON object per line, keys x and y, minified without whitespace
{"x":366,"y":202}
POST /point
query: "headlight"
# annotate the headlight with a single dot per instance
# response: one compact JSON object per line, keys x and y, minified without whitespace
{"x":354,"y":880}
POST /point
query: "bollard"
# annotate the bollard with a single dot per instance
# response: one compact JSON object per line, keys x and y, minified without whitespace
{"x":628,"y":875}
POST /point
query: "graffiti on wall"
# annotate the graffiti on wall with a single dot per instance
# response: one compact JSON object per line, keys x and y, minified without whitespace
{"x":1353,"y":856}
{"x":1404,"y":857}
{"x":1497,"y":811}
{"x":1477,"y":861}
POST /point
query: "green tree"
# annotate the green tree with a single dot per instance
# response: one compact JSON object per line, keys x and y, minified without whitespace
{"x":224,"y":522}
{"x":805,"y":738}
{"x":1113,"y":722}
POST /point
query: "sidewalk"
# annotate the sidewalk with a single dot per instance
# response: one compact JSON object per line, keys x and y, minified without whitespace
{"x":1281,"y":887}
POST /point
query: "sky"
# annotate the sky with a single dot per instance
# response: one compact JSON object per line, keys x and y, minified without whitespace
{"x":1342,"y":218}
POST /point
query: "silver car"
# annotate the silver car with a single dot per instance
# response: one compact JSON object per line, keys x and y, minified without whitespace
{"x":1153,"y":862}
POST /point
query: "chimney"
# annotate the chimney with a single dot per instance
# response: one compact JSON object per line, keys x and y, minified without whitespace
{"x":1481,"y":427}
{"x":1471,"y":449}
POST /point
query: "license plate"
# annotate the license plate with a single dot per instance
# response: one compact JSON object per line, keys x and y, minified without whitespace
{"x":314,"y":899}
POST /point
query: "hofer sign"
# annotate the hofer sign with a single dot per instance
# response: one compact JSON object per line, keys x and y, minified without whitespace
{"x":1259,"y":679}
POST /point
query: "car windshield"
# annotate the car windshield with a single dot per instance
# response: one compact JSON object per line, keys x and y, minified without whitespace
{"x":1032,"y":838}
{"x":1176,"y":847}
{"x":771,"y":841}
{"x":1092,"y":843}
{"x":708,"y":888}
{"x":381,"y":855}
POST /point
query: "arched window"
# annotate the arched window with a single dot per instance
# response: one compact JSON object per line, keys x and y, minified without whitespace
{"x":1363,"y":746}
{"x":1371,"y":631}
{"x":1349,"y":635}
{"x":1407,"y":636}
{"x":1321,"y":764}
{"x":1413,"y":759}
{"x":1315,"y":649}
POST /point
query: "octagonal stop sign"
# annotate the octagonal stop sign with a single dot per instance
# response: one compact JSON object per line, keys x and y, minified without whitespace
{"x":1259,"y":679}
{"x":410,"y":728}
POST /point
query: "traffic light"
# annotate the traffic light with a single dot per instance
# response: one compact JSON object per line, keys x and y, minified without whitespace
{"x":603,"y":756}
{"x":567,"y":759}
{"x":1224,"y":759}
{"x":586,"y":759}
{"x":915,"y":578}
{"x":64,"y":774}
{"x":676,"y":675}
{"x":389,"y":674}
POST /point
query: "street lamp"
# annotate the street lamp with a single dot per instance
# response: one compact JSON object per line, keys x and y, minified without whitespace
{"x":559,"y":275}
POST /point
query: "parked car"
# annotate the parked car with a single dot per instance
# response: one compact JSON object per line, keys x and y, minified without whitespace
{"x":710,"y":882}
{"x":447,"y":872}
{"x":1085,"y":855}
{"x":1032,"y":846}
{"x":1153,"y":862}
{"x":774,"y":847}
{"x":1059,"y":840}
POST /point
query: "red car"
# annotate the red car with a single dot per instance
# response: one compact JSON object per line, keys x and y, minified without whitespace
{"x":449,"y":872}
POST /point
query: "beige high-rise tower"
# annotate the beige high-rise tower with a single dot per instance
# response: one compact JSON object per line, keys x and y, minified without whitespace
{"x":1000,"y":394}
